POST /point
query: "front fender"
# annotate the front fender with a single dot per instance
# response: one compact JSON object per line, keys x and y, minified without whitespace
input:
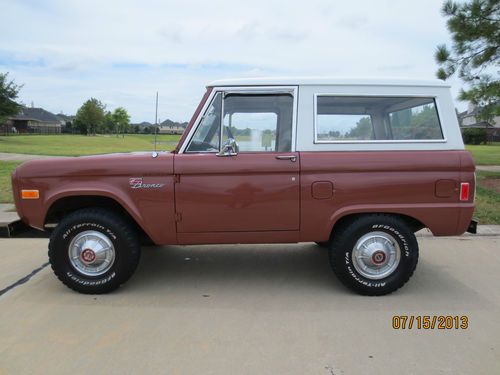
{"x":151,"y":208}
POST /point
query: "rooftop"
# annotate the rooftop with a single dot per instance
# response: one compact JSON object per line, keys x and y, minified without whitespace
{"x":38,"y":114}
{"x":315,"y":81}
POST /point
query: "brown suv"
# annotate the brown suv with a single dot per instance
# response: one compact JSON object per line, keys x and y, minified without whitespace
{"x":358,"y":166}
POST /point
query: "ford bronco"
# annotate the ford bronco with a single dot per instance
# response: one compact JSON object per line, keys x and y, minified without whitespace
{"x":355,"y":166}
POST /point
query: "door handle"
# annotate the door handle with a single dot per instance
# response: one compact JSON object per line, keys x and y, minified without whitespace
{"x":292,"y":158}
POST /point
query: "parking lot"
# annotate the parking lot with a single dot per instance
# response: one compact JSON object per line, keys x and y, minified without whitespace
{"x":250,"y":309}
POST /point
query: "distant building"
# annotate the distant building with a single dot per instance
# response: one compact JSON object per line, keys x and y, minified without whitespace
{"x":33,"y":121}
{"x":169,"y":129}
{"x":65,"y":119}
{"x":468,"y":119}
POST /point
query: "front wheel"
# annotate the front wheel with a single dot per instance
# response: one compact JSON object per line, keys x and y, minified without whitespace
{"x":374,"y":254}
{"x":94,"y":251}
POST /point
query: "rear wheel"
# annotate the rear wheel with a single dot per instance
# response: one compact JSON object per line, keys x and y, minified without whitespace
{"x":374,"y":254}
{"x":94,"y":251}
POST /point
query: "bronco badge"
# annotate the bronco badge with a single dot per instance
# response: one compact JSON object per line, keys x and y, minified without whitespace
{"x":137,"y":183}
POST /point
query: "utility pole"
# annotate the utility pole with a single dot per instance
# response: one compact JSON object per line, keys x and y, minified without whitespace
{"x":156,"y":118}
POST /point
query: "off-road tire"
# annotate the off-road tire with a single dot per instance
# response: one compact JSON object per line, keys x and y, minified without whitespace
{"x":344,"y":239}
{"x":121,"y":233}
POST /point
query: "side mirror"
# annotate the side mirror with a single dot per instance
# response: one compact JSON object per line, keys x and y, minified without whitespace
{"x":229,"y":148}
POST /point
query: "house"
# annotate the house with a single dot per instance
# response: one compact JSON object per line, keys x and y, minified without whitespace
{"x":171,"y":127}
{"x":65,"y":119}
{"x":166,"y":129}
{"x":33,"y":121}
{"x":468,"y":119}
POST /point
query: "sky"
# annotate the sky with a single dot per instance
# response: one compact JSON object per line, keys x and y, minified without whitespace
{"x":121,"y":52}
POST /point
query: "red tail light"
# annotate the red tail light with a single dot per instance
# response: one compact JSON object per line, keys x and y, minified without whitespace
{"x":464,"y":191}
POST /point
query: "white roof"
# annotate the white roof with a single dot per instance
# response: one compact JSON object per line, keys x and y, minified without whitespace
{"x":335,"y":81}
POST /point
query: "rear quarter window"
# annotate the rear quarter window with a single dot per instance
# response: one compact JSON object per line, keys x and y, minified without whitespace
{"x":375,"y":118}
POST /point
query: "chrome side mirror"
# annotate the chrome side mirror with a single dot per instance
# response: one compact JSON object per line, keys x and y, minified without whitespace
{"x":229,"y":148}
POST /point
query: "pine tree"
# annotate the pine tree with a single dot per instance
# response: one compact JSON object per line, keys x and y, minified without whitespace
{"x":475,"y":52}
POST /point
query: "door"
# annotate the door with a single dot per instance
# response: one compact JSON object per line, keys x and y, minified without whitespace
{"x":237,"y":172}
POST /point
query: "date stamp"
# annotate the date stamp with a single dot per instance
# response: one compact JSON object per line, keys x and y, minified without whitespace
{"x":440,"y":322}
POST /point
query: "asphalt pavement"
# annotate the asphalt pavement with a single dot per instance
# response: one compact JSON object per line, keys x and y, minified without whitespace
{"x":250,"y":309}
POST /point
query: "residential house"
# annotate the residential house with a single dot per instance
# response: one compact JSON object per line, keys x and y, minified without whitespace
{"x":468,"y":119}
{"x":33,"y":121}
{"x":171,"y":127}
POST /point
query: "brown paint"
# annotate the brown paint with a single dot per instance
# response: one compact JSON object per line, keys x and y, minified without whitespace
{"x":322,"y":190}
{"x":254,"y":197}
{"x":446,"y":188}
{"x":107,"y":176}
{"x":248,"y":192}
{"x":400,"y":182}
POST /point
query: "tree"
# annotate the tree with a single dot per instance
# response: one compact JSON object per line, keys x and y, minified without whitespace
{"x":475,"y":52}
{"x":8,"y":93}
{"x":363,"y":129}
{"x":90,"y":117}
{"x":121,"y":120}
{"x":109,"y":123}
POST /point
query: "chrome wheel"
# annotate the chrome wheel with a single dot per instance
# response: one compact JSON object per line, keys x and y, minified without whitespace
{"x":376,"y":255}
{"x":91,"y":253}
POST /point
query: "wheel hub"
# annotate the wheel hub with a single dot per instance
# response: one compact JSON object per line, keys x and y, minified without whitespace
{"x":91,"y":253}
{"x":376,"y":255}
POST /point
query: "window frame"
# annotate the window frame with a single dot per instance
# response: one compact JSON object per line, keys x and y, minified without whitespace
{"x":245,"y":90}
{"x":199,"y":119}
{"x":368,"y":141}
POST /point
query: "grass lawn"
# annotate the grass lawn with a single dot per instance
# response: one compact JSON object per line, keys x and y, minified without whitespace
{"x":488,"y":198}
{"x":485,"y":154}
{"x":76,"y":145}
{"x":6,"y":167}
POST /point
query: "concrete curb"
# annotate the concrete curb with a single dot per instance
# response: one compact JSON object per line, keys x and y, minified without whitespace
{"x":482,"y":230}
{"x":488,"y":168}
{"x":6,"y":156}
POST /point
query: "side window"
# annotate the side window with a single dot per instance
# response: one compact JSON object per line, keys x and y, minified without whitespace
{"x":207,"y":136}
{"x":418,"y":121}
{"x":259,"y":122}
{"x":365,"y":118}
{"x":342,"y":119}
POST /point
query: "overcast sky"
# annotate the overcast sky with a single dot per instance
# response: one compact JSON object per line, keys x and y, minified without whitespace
{"x":122,"y":52}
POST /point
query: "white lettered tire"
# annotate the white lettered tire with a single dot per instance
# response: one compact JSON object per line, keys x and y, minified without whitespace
{"x":374,"y":254}
{"x":94,"y":251}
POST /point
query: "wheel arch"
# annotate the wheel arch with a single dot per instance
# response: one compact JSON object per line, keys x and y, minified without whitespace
{"x":413,"y":223}
{"x":63,"y":205}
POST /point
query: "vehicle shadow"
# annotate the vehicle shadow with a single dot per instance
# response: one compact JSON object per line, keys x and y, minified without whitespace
{"x":276,"y":274}
{"x":274,"y":267}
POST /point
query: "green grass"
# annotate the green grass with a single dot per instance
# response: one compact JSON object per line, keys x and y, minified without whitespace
{"x":485,"y":154}
{"x":6,"y":167}
{"x":76,"y":145}
{"x":487,"y":200}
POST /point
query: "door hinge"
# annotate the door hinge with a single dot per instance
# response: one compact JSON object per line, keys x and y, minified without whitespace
{"x":177,"y":178}
{"x":178,"y":217}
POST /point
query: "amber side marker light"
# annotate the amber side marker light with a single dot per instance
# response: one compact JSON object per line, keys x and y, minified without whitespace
{"x":30,"y":194}
{"x":464,"y":191}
